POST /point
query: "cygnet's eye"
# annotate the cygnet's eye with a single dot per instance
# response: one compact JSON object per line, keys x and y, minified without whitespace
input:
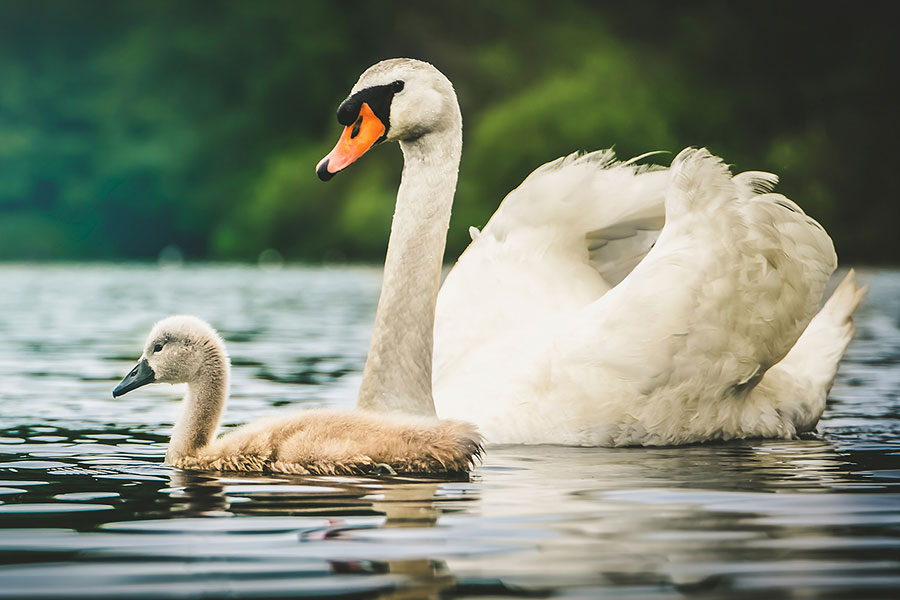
{"x":397,"y":86}
{"x":157,"y":348}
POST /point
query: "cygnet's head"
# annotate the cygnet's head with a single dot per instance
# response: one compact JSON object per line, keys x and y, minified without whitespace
{"x":395,"y":100}
{"x":179,"y":349}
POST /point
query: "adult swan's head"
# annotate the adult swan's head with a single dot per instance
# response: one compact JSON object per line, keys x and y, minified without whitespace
{"x":401,"y":100}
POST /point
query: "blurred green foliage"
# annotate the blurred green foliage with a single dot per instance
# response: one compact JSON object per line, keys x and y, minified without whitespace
{"x":130,"y":126}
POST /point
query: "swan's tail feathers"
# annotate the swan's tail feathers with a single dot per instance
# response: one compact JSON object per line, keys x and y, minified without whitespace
{"x":832,"y":328}
{"x":800,"y":382}
{"x":817,"y":353}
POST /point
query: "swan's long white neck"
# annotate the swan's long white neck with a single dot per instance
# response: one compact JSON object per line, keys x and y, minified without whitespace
{"x":202,"y":406}
{"x":397,"y":375}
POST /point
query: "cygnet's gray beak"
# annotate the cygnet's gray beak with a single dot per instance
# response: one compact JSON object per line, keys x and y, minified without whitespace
{"x":140,"y":375}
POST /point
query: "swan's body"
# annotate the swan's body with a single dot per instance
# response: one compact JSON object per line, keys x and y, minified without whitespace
{"x":681,"y":350}
{"x":603,"y":304}
{"x":320,"y":442}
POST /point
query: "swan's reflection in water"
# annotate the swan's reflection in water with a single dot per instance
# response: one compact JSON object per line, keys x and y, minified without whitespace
{"x":736,"y":519}
{"x":732,"y":519}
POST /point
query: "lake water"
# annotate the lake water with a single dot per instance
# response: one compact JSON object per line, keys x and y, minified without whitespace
{"x":87,"y":509}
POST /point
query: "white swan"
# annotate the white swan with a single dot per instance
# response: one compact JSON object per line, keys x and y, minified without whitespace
{"x":575,"y":316}
{"x":184,"y":349}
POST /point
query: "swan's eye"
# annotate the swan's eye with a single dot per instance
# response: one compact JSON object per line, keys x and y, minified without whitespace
{"x":157,"y":347}
{"x":397,"y":86}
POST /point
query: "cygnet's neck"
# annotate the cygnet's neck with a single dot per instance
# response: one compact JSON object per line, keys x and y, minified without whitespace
{"x":203,"y":405}
{"x":397,"y":375}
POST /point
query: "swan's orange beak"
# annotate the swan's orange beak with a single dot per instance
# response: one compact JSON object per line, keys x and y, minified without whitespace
{"x":355,"y":141}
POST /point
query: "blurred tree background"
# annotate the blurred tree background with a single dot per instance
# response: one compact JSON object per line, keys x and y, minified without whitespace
{"x":130,"y":126}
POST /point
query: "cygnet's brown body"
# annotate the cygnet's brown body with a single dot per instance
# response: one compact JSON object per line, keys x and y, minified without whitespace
{"x":314,"y":442}
{"x":332,"y":442}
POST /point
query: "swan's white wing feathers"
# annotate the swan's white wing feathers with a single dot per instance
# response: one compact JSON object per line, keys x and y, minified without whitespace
{"x":752,"y":183}
{"x":560,"y":240}
{"x":732,"y":281}
{"x":545,"y":351}
{"x":577,"y":195}
{"x":615,"y":250}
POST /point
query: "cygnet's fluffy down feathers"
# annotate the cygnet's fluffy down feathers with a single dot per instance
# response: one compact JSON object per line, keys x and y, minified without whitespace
{"x":332,"y":442}
{"x":185,"y":349}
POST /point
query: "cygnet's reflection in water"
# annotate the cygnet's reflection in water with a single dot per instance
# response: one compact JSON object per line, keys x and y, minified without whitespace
{"x":354,"y":509}
{"x":410,"y":506}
